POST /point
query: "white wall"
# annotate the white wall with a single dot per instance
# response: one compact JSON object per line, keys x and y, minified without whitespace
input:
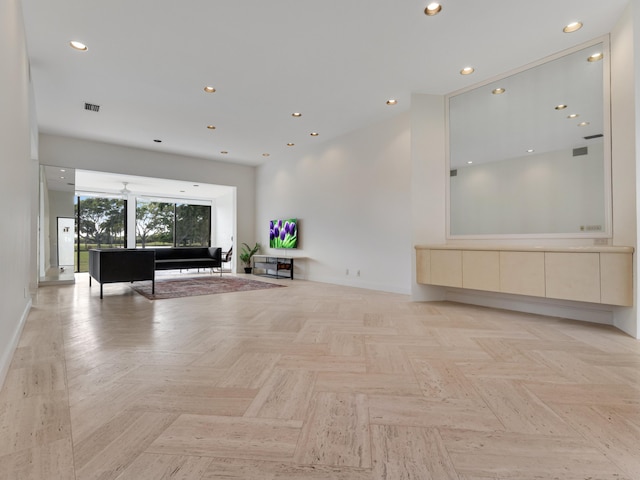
{"x":104,"y":157}
{"x":428,"y":180}
{"x":553,"y":192}
{"x":16,"y":188}
{"x":352,"y":198}
{"x":60,"y":205}
{"x":225,"y":220}
{"x":625,"y":116}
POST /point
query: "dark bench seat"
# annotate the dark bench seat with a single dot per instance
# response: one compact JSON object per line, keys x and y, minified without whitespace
{"x":174,"y":258}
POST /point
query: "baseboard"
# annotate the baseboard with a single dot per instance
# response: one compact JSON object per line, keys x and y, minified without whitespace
{"x":586,"y":312}
{"x":7,"y":355}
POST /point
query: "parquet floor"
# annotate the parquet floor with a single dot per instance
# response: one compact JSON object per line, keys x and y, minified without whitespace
{"x":313,"y":381}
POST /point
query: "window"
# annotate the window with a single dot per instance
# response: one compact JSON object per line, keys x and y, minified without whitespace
{"x":163,"y":224}
{"x":101,"y":223}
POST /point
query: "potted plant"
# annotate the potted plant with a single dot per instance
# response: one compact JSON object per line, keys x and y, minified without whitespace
{"x":246,"y":254}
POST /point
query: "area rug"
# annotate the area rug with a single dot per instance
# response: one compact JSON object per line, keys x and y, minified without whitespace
{"x":188,"y":287}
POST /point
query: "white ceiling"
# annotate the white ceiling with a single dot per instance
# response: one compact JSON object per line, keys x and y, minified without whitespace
{"x":84,"y":182}
{"x":336,"y":61}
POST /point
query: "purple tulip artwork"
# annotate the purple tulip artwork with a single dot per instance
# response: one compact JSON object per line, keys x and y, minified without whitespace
{"x":283,"y":233}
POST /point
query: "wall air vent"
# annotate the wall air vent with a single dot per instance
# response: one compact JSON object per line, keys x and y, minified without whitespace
{"x":590,"y":137}
{"x":453,"y":173}
{"x":580,"y":151}
{"x":92,"y":107}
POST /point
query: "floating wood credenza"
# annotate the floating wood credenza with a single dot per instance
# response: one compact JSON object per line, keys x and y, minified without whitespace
{"x":585,"y":274}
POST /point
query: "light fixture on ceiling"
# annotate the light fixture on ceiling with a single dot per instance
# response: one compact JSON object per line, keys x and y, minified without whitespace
{"x":595,"y":57}
{"x":573,"y":115}
{"x":467,"y":71}
{"x":78,"y":45}
{"x":314,"y":134}
{"x":583,"y":124}
{"x":469,"y":162}
{"x":266,"y":154}
{"x":157,"y":140}
{"x":392,"y":101}
{"x":211,"y":127}
{"x":562,"y":106}
{"x":432,"y":9}
{"x":296,"y":114}
{"x":224,"y":152}
{"x":209,"y":89}
{"x":498,"y":91}
{"x":531,"y":150}
{"x":290,"y":144}
{"x":572,"y":27}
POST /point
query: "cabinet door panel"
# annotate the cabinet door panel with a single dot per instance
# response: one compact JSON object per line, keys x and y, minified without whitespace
{"x":481,"y":270}
{"x":422,"y":266}
{"x":573,"y":276}
{"x":446,"y":268}
{"x":522,"y":273}
{"x":616,"y":278}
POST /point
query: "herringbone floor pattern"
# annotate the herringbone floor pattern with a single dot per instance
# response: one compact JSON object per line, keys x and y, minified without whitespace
{"x":313,"y":381}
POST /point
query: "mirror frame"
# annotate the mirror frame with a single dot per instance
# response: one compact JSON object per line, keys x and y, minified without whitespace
{"x":607,"y":233}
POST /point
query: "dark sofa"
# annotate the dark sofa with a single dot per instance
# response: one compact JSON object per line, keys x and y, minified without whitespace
{"x":174,"y":258}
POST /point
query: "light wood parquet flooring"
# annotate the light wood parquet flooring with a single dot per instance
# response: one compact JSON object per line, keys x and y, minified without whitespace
{"x":313,"y":381}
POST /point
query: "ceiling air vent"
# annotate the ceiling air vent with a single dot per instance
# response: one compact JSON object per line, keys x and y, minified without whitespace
{"x":593,"y":136}
{"x":92,"y":107}
{"x":453,"y":173}
{"x":580,"y":151}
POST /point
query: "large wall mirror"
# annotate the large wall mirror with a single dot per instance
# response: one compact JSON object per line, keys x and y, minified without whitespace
{"x":529,"y":153}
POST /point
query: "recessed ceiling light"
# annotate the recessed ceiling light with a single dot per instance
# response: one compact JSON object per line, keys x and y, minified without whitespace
{"x":296,"y":114}
{"x":572,"y":27}
{"x":467,"y":71}
{"x":498,"y":91}
{"x":470,"y":162}
{"x":61,"y":178}
{"x":224,"y":152}
{"x":209,"y":89}
{"x":290,"y":144}
{"x":392,"y":101}
{"x":78,"y":45}
{"x":531,"y":150}
{"x":62,"y":170}
{"x":562,"y":106}
{"x":573,"y":115}
{"x":432,"y":9}
{"x":595,"y":57}
{"x":314,"y":134}
{"x":266,"y":154}
{"x":583,"y":124}
{"x":211,"y":127}
{"x":157,"y":141}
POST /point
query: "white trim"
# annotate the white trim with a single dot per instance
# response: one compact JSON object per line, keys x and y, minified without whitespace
{"x":5,"y":361}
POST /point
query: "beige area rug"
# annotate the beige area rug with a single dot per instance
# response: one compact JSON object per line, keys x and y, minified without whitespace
{"x":188,"y":287}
